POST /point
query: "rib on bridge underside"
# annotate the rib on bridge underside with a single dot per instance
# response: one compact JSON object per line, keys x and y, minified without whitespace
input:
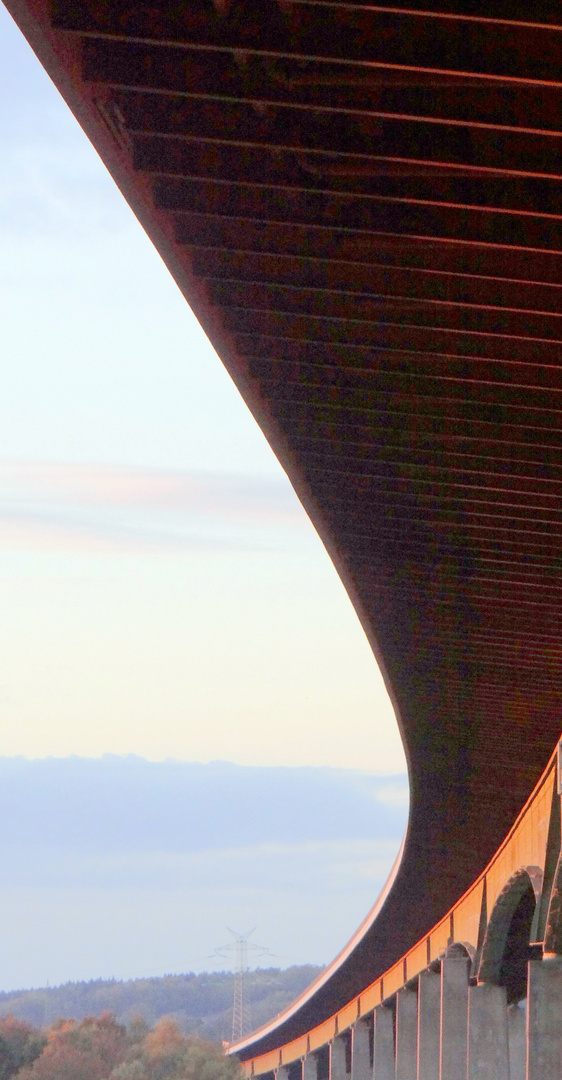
{"x":362,"y":205}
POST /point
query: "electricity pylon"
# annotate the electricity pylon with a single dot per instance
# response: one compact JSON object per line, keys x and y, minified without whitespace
{"x":241,"y":947}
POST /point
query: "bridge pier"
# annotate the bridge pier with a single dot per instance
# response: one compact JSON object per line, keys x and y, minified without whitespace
{"x":454,"y":1018}
{"x":544,"y":1019}
{"x":310,"y":1067}
{"x":517,"y":1042}
{"x":429,"y":1006}
{"x":383,"y":1044}
{"x":406,"y":1035}
{"x":448,"y":1030}
{"x":338,"y":1062}
{"x":488,"y":1056}
{"x":361,"y":1068}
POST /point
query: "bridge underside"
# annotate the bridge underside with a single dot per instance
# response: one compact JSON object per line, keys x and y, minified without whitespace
{"x":362,"y":206}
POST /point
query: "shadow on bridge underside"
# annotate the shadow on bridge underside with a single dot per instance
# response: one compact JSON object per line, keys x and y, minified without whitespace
{"x":361,"y":203}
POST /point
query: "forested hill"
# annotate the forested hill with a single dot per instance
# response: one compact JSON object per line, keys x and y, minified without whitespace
{"x":200,"y":1003}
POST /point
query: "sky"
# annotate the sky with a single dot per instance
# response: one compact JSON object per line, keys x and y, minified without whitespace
{"x":121,"y":867}
{"x":163,"y":591}
{"x":163,"y":595}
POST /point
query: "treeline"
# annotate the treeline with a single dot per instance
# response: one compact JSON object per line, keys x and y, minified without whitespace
{"x":98,"y":1048}
{"x":199,"y":1004}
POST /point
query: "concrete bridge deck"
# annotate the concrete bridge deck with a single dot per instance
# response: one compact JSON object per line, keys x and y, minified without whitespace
{"x":361,"y":202}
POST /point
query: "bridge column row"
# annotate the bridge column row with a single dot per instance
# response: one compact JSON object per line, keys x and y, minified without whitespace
{"x":444,"y":1029}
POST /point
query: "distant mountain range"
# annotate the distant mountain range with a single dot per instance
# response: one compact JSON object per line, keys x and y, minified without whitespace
{"x":200,"y":1003}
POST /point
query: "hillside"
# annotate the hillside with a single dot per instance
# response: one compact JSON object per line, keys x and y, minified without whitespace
{"x":199,"y":1003}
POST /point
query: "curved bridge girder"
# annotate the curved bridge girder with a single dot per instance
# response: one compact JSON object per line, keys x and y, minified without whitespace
{"x":361,"y":204}
{"x":508,"y":918}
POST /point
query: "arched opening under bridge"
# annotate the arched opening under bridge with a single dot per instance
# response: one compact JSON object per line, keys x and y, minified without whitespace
{"x":507,"y":946}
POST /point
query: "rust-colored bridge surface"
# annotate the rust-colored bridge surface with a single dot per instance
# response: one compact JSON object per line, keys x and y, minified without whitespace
{"x":361,"y":204}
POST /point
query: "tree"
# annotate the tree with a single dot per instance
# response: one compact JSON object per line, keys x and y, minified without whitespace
{"x":20,"y":1044}
{"x":89,"y":1050}
{"x":98,"y":1048}
{"x":166,"y":1054}
{"x":130,"y":1070}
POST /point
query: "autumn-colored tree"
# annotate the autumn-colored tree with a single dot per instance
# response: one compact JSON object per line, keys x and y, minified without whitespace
{"x":20,"y":1044}
{"x":137,"y":1030}
{"x":166,"y":1054}
{"x":201,"y":1060}
{"x":98,"y":1048}
{"x":89,"y":1050}
{"x":164,"y":1041}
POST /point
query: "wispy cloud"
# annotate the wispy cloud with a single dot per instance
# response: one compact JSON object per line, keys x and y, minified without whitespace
{"x":99,"y":507}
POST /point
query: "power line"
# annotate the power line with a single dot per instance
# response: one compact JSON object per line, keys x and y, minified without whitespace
{"x":241,"y":947}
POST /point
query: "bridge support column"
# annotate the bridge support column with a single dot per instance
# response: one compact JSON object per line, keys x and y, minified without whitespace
{"x":429,"y":999}
{"x":309,"y":1067}
{"x":360,"y":1051}
{"x":454,"y":1019}
{"x":487,"y":1033}
{"x":406,"y":1035}
{"x":544,"y":1019}
{"x":338,"y":1065}
{"x":517,"y":1041}
{"x":282,"y":1073}
{"x":383,"y":1044}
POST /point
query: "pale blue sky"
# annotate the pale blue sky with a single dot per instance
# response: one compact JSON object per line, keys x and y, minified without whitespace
{"x":123,"y":867}
{"x":162,"y":591}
